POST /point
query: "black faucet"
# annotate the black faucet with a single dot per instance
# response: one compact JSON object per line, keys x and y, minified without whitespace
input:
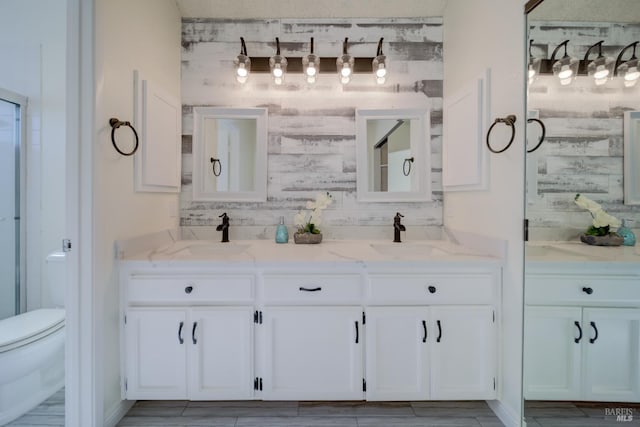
{"x":224,"y":227}
{"x":397,"y":227}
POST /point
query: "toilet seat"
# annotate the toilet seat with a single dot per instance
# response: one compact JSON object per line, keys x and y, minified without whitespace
{"x":27,"y":327}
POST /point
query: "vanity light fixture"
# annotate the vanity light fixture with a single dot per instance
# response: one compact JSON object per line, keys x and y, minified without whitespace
{"x":565,"y":68}
{"x":379,"y":65}
{"x":630,"y":69}
{"x":601,"y":68}
{"x":345,"y":64}
{"x":278,"y":65}
{"x":311,"y":65}
{"x":242,"y":63}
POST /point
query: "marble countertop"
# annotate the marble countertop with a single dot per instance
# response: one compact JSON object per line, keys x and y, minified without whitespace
{"x":578,"y":252}
{"x":255,"y":252}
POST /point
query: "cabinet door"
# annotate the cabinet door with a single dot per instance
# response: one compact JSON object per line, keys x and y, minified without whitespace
{"x":313,"y":353}
{"x":463,"y":356}
{"x":155,"y":354}
{"x":220,"y":353}
{"x":552,"y":352}
{"x":397,"y":363}
{"x":610,"y":354}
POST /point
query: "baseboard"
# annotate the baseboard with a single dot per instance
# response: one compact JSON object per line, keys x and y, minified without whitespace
{"x":505,"y":413}
{"x":117,"y":412}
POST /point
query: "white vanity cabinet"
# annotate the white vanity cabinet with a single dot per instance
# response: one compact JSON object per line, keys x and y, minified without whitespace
{"x":432,"y":336}
{"x":313,"y":337}
{"x":583,"y":336}
{"x":188,"y":337}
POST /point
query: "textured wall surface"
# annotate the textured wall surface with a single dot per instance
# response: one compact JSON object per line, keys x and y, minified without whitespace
{"x":311,"y":141}
{"x":583,"y":152}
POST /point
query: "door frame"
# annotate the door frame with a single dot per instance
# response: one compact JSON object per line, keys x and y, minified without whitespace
{"x":84,"y":392}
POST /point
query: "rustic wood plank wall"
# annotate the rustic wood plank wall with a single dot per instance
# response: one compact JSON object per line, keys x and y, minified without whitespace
{"x":583,"y":152}
{"x":311,"y":143}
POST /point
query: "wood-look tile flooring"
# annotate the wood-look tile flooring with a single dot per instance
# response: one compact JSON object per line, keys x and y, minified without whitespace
{"x":580,"y":414}
{"x":338,"y":414}
{"x":310,"y":414}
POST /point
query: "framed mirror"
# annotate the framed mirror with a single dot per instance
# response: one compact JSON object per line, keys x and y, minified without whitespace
{"x":392,"y":154}
{"x":631,"y":157}
{"x":229,"y":154}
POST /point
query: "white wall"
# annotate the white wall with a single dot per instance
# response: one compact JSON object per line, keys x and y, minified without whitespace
{"x":481,"y":34}
{"x":32,"y":53}
{"x":142,"y":35}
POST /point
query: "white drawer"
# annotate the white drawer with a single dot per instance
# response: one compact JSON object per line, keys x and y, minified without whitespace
{"x":335,"y":289}
{"x":427,"y":289}
{"x":154,"y":289}
{"x":582,"y":290}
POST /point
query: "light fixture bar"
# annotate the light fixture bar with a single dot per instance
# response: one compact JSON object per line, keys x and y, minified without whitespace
{"x":260,"y":64}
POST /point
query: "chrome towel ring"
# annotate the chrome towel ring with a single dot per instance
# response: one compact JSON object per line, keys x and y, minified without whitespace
{"x":406,"y":166}
{"x":544,"y":132}
{"x":509,"y":121}
{"x":115,"y":124}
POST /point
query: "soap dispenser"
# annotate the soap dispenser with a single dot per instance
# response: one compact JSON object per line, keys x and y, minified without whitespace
{"x":282,"y":234}
{"x":625,"y":232}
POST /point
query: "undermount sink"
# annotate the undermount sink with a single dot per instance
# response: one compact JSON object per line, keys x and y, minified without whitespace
{"x":208,"y":248}
{"x":407,"y":249}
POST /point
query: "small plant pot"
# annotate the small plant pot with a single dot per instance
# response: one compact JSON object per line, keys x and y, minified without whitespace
{"x":307,"y":238}
{"x":611,"y":239}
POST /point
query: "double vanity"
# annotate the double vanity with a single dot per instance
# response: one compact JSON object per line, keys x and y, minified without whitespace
{"x":342,"y":320}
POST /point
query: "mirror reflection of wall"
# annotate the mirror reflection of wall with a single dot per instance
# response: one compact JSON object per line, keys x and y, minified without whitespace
{"x":582,"y":311}
{"x":389,"y":146}
{"x":230,"y":148}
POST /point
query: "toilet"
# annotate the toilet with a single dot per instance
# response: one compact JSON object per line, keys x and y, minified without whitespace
{"x":32,"y":347}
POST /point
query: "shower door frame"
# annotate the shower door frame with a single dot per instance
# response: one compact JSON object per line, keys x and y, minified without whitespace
{"x":21,"y":176}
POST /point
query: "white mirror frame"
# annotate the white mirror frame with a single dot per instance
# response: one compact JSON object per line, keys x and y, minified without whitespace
{"x":420,"y":151}
{"x":201,"y":165}
{"x":632,"y":158}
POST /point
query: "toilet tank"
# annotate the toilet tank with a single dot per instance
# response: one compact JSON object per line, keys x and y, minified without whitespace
{"x":54,"y":280}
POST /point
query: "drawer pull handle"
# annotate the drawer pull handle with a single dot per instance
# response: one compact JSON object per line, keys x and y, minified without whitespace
{"x":593,"y":325}
{"x":357,"y":333}
{"x":439,"y":331}
{"x":587,"y":290}
{"x":432,"y":289}
{"x":577,"y":340}
{"x":188,"y":289}
{"x":180,"y":339}
{"x":193,"y":333}
{"x":303,"y":289}
{"x":424,"y":329}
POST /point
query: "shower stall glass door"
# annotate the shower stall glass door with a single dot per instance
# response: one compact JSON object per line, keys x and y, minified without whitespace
{"x":12,"y":109}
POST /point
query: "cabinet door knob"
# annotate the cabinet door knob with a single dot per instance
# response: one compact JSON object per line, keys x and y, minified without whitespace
{"x":432,"y":289}
{"x":188,"y":289}
{"x":587,"y":290}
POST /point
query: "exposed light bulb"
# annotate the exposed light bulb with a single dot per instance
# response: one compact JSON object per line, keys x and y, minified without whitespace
{"x":601,"y":72}
{"x":632,"y":74}
{"x":565,"y":73}
{"x":311,"y":70}
{"x":241,"y":71}
{"x":346,"y":70}
{"x":381,"y":71}
{"x":277,"y":71}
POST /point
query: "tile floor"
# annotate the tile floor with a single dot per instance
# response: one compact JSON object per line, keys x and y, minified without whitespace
{"x":347,"y":414}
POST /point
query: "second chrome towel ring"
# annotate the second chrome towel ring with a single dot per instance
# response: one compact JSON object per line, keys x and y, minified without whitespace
{"x":115,"y":124}
{"x":509,"y":121}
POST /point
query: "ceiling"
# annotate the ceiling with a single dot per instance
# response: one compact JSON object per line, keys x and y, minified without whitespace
{"x":246,"y":9}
